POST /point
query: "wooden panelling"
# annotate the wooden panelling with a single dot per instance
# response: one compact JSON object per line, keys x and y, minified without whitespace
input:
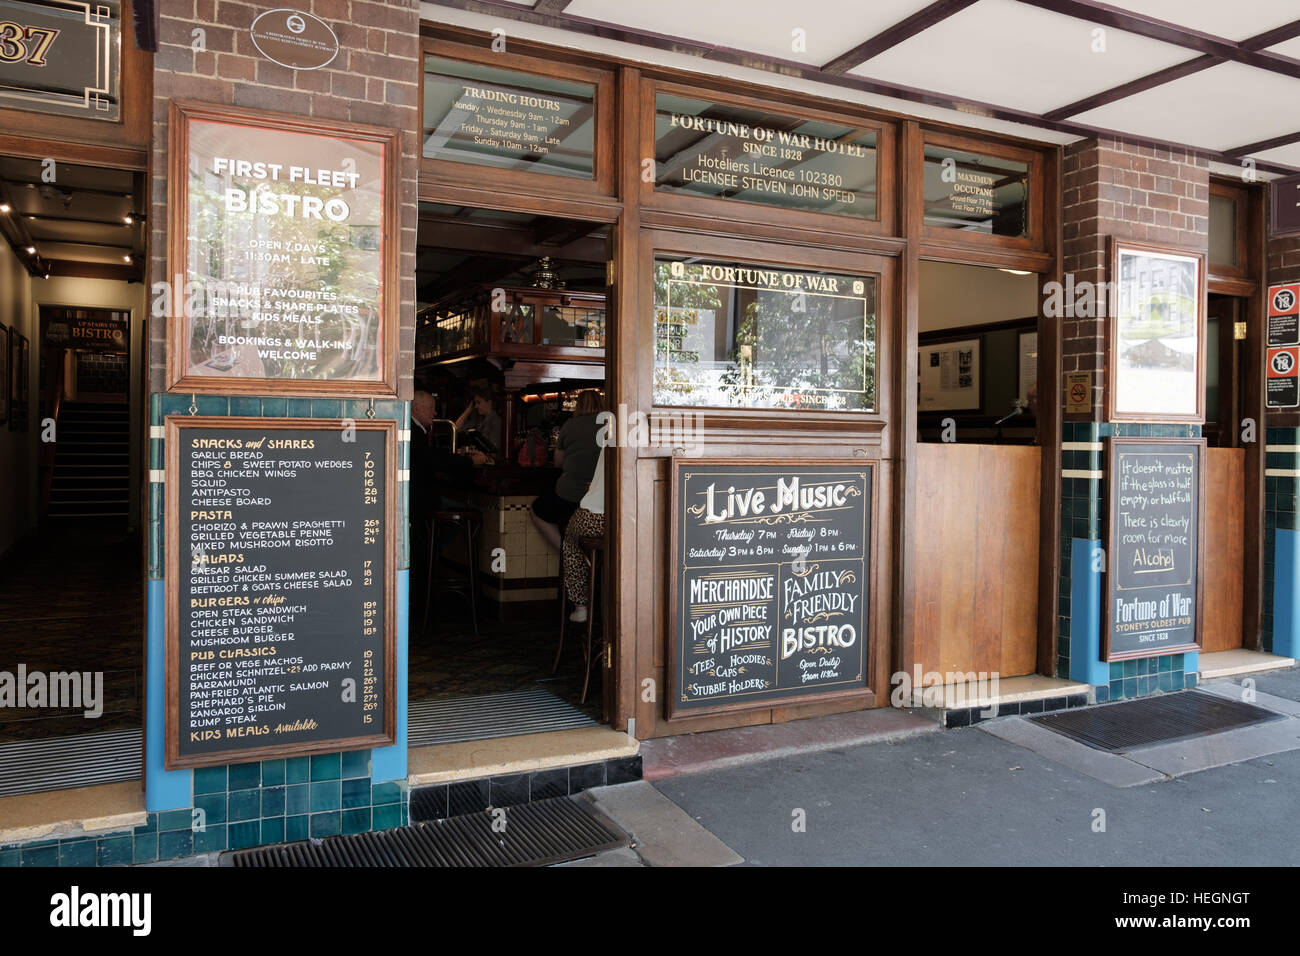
{"x":1225,"y":490}
{"x":975,"y":600}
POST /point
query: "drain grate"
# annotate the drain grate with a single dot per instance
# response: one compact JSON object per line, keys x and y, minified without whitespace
{"x":62,"y":763}
{"x":510,"y":714}
{"x":1125,"y":726}
{"x":535,"y":834}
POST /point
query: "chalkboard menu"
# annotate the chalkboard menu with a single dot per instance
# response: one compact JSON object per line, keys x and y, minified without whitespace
{"x":1155,"y":513}
{"x":280,"y":607}
{"x":770,"y":592}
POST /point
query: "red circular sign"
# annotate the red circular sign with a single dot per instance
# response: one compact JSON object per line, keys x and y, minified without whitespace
{"x":1078,"y":392}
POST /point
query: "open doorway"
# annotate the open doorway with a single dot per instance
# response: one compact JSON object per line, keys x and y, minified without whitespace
{"x":71,"y":552}
{"x":510,"y":371}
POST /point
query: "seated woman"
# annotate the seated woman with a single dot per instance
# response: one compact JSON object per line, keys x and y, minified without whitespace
{"x":575,"y":454}
{"x":480,"y":418}
{"x":588,"y":521}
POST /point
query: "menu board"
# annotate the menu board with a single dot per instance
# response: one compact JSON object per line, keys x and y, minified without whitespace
{"x":1155,"y":515}
{"x":282,"y":268}
{"x":280,"y":564}
{"x":771,"y":587}
{"x":493,"y":117}
{"x":734,"y":152}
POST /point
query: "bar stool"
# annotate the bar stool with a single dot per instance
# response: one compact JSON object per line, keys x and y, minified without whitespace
{"x":593,"y":550}
{"x":465,"y":522}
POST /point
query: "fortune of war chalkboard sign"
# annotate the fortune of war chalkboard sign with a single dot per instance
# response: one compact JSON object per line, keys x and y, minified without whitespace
{"x":771,"y":593}
{"x":280,"y":564}
{"x":1155,"y":515}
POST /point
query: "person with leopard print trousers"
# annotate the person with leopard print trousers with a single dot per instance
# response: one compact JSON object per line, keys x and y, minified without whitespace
{"x":588,"y":521}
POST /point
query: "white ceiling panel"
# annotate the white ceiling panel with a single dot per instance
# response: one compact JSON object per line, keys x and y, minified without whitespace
{"x":1286,"y":155}
{"x":1290,"y":48}
{"x":831,"y":27}
{"x":1220,"y":18}
{"x":1046,"y":61}
{"x":1220,"y":108}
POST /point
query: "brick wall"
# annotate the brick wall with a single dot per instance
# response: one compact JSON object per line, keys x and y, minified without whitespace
{"x":1283,"y":259}
{"x":374,"y":79}
{"x":1141,"y":193}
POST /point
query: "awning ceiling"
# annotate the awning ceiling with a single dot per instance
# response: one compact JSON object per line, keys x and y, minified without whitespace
{"x":1219,"y":77}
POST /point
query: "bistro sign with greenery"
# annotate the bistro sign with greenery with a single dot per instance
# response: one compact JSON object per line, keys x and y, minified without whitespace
{"x":281,"y":272}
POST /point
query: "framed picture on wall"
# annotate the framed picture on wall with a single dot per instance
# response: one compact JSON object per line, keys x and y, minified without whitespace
{"x":1155,"y":354}
{"x":4,"y":374}
{"x":948,"y":375}
{"x":18,"y":381}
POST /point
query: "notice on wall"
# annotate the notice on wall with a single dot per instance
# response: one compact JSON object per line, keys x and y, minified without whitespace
{"x":1154,"y":515}
{"x":772,"y":582}
{"x":1284,"y":314}
{"x":949,"y":376}
{"x":280,"y":587}
{"x":509,"y":120}
{"x":284,"y":275}
{"x":90,"y":330}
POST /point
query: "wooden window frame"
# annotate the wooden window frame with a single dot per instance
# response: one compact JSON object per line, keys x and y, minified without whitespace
{"x":1036,"y":241}
{"x":182,"y":112}
{"x":1223,"y":277}
{"x":715,"y":209}
{"x":490,"y":180}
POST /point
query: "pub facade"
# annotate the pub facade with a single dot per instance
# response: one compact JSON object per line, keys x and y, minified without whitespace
{"x":892,"y":410}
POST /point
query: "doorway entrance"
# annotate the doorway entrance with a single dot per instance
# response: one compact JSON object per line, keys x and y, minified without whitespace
{"x":510,"y":376}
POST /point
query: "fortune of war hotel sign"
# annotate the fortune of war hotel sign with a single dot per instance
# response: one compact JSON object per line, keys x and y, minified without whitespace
{"x":61,"y":56}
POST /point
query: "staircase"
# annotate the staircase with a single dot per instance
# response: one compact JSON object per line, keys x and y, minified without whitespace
{"x":92,"y":461}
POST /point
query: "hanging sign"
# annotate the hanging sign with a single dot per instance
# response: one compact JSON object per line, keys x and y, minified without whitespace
{"x":294,"y":39}
{"x":282,"y":254}
{"x":91,"y":330}
{"x":61,"y":56}
{"x":771,"y":585}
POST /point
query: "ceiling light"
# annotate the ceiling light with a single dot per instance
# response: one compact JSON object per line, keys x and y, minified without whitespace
{"x":126,"y":258}
{"x":128,"y":220}
{"x":1017,"y":272}
{"x":31,"y":250}
{"x":4,"y":207}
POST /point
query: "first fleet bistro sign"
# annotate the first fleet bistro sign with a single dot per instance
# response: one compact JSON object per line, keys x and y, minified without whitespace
{"x":772,"y":582}
{"x":282,"y":265}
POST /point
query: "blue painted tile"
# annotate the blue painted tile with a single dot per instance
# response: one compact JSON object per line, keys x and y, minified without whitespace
{"x":382,"y":793}
{"x":40,"y":856}
{"x":116,"y":851}
{"x":245,"y":776}
{"x":244,"y":805}
{"x":297,"y":798}
{"x":146,"y":849}
{"x":77,"y":853}
{"x":326,"y":824}
{"x":272,"y":830}
{"x":245,"y":834}
{"x":210,"y":839}
{"x":387,"y":816}
{"x":326,"y":408}
{"x":355,"y":794}
{"x":354,"y":763}
{"x":273,"y":802}
{"x":213,"y":806}
{"x":1130,"y":687}
{"x":325,"y":767}
{"x":249,"y":406}
{"x":150,"y":824}
{"x":297,"y":770}
{"x":9,"y":858}
{"x":326,"y":796}
{"x":175,"y":820}
{"x":174,"y":844}
{"x":299,"y":408}
{"x":356,"y":821}
{"x":210,"y":780}
{"x":272,"y":773}
{"x":296,"y":828}
{"x":212,"y":404}
{"x":274,"y":407}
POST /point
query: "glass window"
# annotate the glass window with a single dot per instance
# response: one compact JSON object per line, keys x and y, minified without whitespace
{"x":730,"y":152}
{"x":509,"y":120}
{"x":976,"y":193}
{"x":749,"y":336}
{"x":1223,"y":231}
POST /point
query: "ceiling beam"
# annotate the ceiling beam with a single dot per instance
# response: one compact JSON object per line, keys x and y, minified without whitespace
{"x":551,"y":6}
{"x":1107,"y":16}
{"x":1284,"y":140}
{"x":902,"y":30}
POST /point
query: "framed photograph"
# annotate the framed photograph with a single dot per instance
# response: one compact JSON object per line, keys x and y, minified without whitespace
{"x":949,"y":377}
{"x":18,"y":381}
{"x":1155,"y":355}
{"x":283,"y":237}
{"x":4,"y":374}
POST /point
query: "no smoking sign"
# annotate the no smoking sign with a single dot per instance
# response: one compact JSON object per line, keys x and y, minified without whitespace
{"x":1284,"y":377}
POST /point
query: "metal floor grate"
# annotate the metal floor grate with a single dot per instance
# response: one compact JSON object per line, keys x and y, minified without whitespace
{"x":535,"y":834}
{"x":1130,"y":724}
{"x":490,"y":715}
{"x":62,"y":763}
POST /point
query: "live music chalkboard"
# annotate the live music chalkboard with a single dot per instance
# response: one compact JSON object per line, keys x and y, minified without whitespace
{"x":1154,"y":516}
{"x":772,"y":567}
{"x":280,"y":604}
